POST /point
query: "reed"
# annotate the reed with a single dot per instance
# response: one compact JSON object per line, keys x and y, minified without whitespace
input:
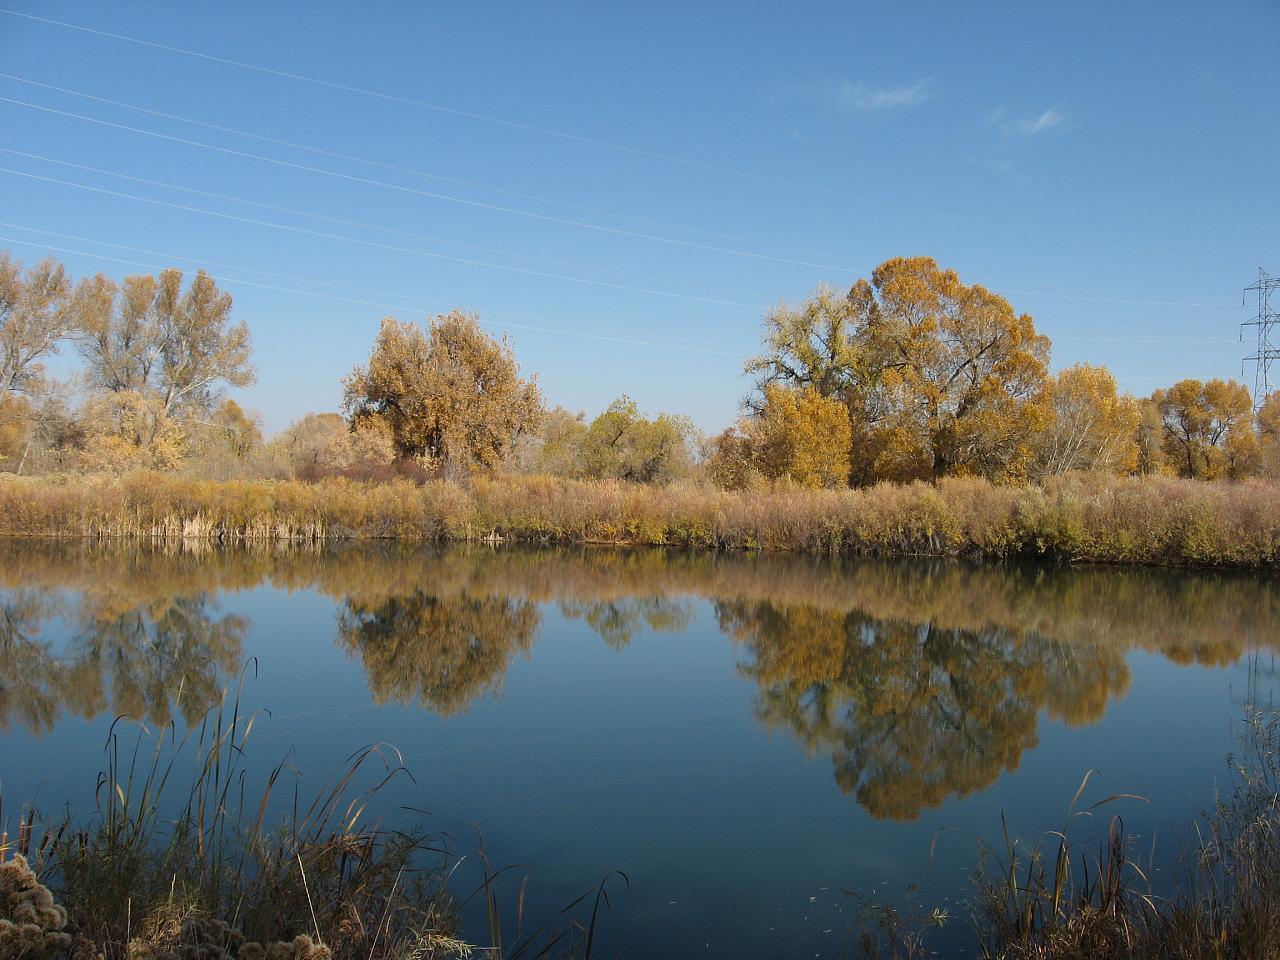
{"x":183,"y":859}
{"x":1063,"y":901}
{"x":1074,"y":518}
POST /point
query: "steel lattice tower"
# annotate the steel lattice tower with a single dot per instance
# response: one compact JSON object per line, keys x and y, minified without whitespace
{"x":1268,"y":323}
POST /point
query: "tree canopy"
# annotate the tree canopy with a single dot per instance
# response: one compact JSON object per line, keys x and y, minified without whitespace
{"x":939,"y":378}
{"x":35,"y":315}
{"x":1091,"y":427}
{"x":149,"y":337}
{"x":1208,"y":428}
{"x":450,"y":394}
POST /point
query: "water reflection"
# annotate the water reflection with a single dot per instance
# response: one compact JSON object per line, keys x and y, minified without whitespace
{"x":912,"y":713}
{"x":442,"y":651}
{"x":146,"y":657}
{"x":919,"y":680}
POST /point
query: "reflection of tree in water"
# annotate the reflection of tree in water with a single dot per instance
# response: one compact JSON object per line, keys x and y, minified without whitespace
{"x":916,"y":676}
{"x":28,"y":674}
{"x":165,"y":655}
{"x":913,"y":713}
{"x":441,"y":650}
{"x":617,"y":620}
{"x":142,"y":658}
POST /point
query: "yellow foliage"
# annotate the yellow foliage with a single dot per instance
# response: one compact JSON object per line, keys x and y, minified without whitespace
{"x":801,"y":435}
{"x":1092,"y":426}
{"x":938,"y":378}
{"x":450,"y":393}
{"x":1269,"y":436}
{"x":1208,"y":429}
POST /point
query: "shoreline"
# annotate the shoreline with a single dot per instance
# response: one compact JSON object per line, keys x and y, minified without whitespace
{"x":1074,"y":519}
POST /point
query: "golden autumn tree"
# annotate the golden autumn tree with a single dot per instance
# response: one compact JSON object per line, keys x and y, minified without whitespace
{"x":157,"y":357}
{"x":802,"y":435}
{"x":34,"y":318}
{"x":961,"y":379}
{"x":939,"y":378}
{"x":1269,"y":436}
{"x":1149,"y":437}
{"x":1208,"y":428}
{"x":1093,"y":427}
{"x":728,"y":460}
{"x":450,"y":394}
{"x":150,"y":337}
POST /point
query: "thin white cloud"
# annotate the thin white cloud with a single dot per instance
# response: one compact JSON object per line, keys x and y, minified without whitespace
{"x":1051,"y":119}
{"x":859,"y":96}
{"x":1025,"y":126}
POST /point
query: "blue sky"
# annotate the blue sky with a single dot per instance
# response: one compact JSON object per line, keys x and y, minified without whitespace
{"x":626,"y":189}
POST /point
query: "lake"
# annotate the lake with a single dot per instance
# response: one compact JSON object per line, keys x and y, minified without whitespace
{"x":752,"y":739}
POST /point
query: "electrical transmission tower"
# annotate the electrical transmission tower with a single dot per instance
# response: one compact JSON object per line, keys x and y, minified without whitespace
{"x":1268,"y":323}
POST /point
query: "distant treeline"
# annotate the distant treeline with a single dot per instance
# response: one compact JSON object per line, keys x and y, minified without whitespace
{"x":910,"y":375}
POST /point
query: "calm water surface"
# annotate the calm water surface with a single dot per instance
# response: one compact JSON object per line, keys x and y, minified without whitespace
{"x":747,"y":737}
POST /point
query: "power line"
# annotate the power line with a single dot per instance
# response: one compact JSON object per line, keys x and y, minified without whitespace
{"x":397,"y":168}
{"x":1131,"y":340}
{"x":369,"y":181}
{"x":383,"y":293}
{"x":353,"y":223}
{"x":470,"y":183}
{"x":518,"y":125}
{"x":312,"y":293}
{"x":562,"y":220}
{"x":453,"y":111}
{"x":373,"y":243}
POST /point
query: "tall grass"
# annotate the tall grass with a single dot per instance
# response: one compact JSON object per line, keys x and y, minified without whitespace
{"x":1068,"y":902}
{"x":1076,"y":518}
{"x":183,"y":858}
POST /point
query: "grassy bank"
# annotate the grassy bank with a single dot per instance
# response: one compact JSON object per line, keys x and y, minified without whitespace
{"x":1078,"y":518}
{"x":187,"y":860}
{"x":190,"y":856}
{"x":1073,"y":899}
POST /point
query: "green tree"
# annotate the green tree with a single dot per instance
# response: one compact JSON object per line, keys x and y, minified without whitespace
{"x":557,"y":448}
{"x":622,"y":444}
{"x":450,"y":394}
{"x":817,"y":345}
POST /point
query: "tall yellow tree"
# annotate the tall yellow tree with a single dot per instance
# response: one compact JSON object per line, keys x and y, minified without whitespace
{"x":34,"y":318}
{"x":1208,"y":428}
{"x":1149,"y":437}
{"x":962,"y":379}
{"x":450,"y":393}
{"x":150,"y":337}
{"x":938,"y":377}
{"x":1093,"y":427}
